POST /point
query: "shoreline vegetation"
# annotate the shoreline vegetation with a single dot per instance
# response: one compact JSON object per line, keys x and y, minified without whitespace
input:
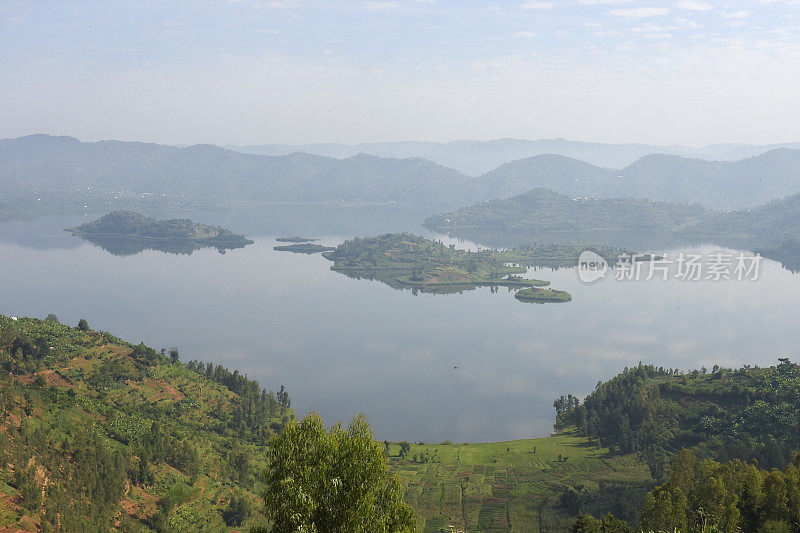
{"x":127,"y":232}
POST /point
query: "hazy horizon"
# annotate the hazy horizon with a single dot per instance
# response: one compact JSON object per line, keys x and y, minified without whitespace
{"x":288,"y":72}
{"x":396,"y":141}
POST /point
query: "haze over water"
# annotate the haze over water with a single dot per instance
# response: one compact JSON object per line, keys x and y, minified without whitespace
{"x":342,"y":345}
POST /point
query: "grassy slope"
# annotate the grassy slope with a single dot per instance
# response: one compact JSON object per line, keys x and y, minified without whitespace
{"x":125,"y":408}
{"x":506,"y":486}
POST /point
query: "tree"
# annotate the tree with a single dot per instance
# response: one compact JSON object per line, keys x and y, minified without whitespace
{"x":174,"y":355}
{"x":239,"y":508}
{"x":586,"y":523}
{"x":405,"y":447}
{"x":332,"y":481}
{"x":83,"y":325}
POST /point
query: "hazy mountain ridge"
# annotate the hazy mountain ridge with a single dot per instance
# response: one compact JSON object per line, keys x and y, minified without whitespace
{"x":47,"y":171}
{"x":717,"y":184}
{"x":43,"y":165}
{"x":478,"y":157}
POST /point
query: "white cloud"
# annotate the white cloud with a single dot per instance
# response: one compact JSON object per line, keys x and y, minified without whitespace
{"x":737,"y":15}
{"x":538,"y":5}
{"x":640,"y":12}
{"x":603,"y":2}
{"x":526,"y":34}
{"x":274,"y":4}
{"x":691,"y":5}
{"x":378,"y":5}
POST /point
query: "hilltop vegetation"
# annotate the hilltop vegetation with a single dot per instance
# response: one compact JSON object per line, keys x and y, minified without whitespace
{"x":126,"y":232}
{"x":747,"y":413}
{"x":99,"y":433}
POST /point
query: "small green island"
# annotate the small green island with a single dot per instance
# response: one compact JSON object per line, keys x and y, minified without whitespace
{"x":296,"y":240}
{"x":304,"y":248}
{"x":405,"y":261}
{"x":539,"y":295}
{"x":127,"y":232}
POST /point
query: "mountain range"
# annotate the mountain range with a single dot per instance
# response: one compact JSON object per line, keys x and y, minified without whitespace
{"x":49,"y":171}
{"x":478,"y":157}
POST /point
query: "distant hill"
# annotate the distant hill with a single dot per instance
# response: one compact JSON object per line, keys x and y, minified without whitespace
{"x":767,"y":226}
{"x":42,"y":171}
{"x":477,"y":157}
{"x":64,"y":171}
{"x":542,"y":215}
{"x":716,"y":184}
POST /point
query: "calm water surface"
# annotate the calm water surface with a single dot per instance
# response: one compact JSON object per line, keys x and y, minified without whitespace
{"x":342,"y":346}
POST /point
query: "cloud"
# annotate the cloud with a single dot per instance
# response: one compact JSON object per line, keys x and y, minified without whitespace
{"x":690,"y":5}
{"x":275,"y":4}
{"x":526,"y":34}
{"x":737,"y":15}
{"x":538,"y":5}
{"x":603,"y":2}
{"x":640,"y":12}
{"x":379,"y":5}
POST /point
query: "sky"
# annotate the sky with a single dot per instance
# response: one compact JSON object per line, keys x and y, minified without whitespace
{"x":290,"y":71}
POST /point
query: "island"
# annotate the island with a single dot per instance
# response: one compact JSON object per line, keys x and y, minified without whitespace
{"x":538,"y":295}
{"x":304,"y":248}
{"x":405,"y":261}
{"x":127,"y":232}
{"x":297,"y":240}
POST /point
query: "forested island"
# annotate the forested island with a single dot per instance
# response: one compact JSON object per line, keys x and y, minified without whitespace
{"x":296,"y":240}
{"x":405,"y":261}
{"x":126,"y":232}
{"x":100,"y":434}
{"x":304,"y":248}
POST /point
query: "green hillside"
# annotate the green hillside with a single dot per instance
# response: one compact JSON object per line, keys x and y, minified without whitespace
{"x":746,"y":413}
{"x":99,"y":433}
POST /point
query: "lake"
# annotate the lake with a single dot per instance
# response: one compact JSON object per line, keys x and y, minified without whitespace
{"x":342,"y":346}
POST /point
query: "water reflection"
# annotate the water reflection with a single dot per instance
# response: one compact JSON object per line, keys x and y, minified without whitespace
{"x":124,"y":246}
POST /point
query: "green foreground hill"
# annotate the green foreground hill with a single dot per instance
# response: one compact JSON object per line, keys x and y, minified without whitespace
{"x":98,"y":433}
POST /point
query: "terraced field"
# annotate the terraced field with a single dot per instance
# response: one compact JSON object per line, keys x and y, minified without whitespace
{"x":533,"y":485}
